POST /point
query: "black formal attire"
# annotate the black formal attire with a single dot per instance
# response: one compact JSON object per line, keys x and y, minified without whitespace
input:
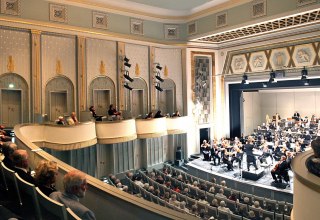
{"x":8,"y":163}
{"x":225,"y":159}
{"x":47,"y":190}
{"x":215,"y":154}
{"x":250,"y":157}
{"x":206,"y":153}
{"x":24,"y":175}
{"x":281,"y":170}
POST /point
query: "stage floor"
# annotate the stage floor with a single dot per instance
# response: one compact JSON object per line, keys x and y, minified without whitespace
{"x":265,"y":181}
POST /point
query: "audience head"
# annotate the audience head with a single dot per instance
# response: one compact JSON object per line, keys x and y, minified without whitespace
{"x":46,"y":172}
{"x":223,"y":203}
{"x":315,"y":145}
{"x":221,"y":191}
{"x":20,"y":158}
{"x":214,"y":202}
{"x":182,"y":205}
{"x":75,"y":183}
{"x":246,"y":200}
{"x":223,"y":183}
{"x":256,"y":204}
{"x":252,"y":214}
{"x":202,"y":213}
{"x":8,"y":148}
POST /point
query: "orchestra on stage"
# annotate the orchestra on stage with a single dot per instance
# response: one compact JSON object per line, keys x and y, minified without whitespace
{"x":274,"y":143}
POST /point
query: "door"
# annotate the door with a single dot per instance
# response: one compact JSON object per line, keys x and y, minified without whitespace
{"x":137,"y":103}
{"x":101,"y":101}
{"x":58,"y":105}
{"x":166,"y":102}
{"x":11,"y":107}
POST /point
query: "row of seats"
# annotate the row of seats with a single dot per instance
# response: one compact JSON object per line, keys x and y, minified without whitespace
{"x":26,"y":194}
{"x":280,"y":207}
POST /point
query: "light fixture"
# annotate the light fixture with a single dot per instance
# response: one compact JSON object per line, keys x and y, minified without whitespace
{"x":272,"y":77}
{"x":127,"y":86}
{"x":126,"y":59}
{"x":126,"y":75}
{"x":245,"y":79}
{"x":158,"y":87}
{"x":306,"y":82}
{"x":264,"y":85}
{"x":159,"y":77}
{"x":304,"y":73}
{"x":159,"y":67}
{"x":11,"y":85}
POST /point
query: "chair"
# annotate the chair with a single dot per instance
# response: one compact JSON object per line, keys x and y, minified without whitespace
{"x":212,"y":211}
{"x":243,"y":194}
{"x":231,"y":205}
{"x":71,"y":215}
{"x":266,"y":213}
{"x":30,"y":190}
{"x":242,"y":206}
{"x":11,"y":177}
{"x":286,"y":217}
{"x":162,"y":202}
{"x":257,"y":211}
{"x":191,"y":202}
{"x":223,"y":215}
{"x":54,"y":209}
{"x":281,"y":205}
{"x":235,"y":217}
{"x":210,"y":197}
{"x":193,"y":191}
{"x":289,"y":208}
{"x":3,"y":178}
{"x":278,"y":216}
{"x":227,"y":192}
{"x":270,"y":204}
{"x":202,"y":206}
{"x":259,"y":199}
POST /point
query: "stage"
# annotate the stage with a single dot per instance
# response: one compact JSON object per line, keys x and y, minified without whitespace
{"x":236,"y":179}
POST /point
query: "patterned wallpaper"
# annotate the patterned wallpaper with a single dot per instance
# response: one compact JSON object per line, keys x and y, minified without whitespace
{"x":276,"y":58}
{"x":171,"y":58}
{"x":58,"y":58}
{"x":15,"y":44}
{"x":101,"y":60}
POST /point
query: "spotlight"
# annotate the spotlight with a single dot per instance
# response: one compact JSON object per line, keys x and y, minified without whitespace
{"x":127,"y":86}
{"x":272,"y":77}
{"x":126,"y":75}
{"x":245,"y":79}
{"x":126,"y":59}
{"x":306,"y":82}
{"x":264,"y":85}
{"x":304,"y":73}
{"x":159,"y":77}
{"x":159,"y":67}
{"x":126,"y":62}
{"x":127,"y":65}
{"x":158,"y":87}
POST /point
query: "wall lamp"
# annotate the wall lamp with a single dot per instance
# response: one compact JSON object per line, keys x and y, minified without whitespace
{"x":304,"y":74}
{"x":245,"y":79}
{"x":158,"y":66}
{"x":159,"y":77}
{"x":128,"y":65}
{"x":127,"y":86}
{"x":126,"y":75}
{"x":158,"y":87}
{"x":272,"y":77}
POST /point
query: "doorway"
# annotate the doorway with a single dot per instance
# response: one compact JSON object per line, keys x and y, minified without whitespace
{"x":137,"y":103}
{"x":58,"y":104}
{"x":166,"y":102}
{"x":101,"y":101}
{"x":204,"y":135}
{"x":11,"y":107}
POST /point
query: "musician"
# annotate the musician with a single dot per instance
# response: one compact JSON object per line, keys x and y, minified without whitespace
{"x":205,"y":149}
{"x":280,"y":170}
{"x":237,"y":154}
{"x":249,"y":151}
{"x":215,"y":150}
{"x":225,"y":158}
{"x":265,"y":153}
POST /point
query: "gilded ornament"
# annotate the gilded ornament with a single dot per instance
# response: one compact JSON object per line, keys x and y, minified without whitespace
{"x":102,"y":68}
{"x":137,"y":70}
{"x":10,"y":65}
{"x":166,"y":71}
{"x":58,"y":67}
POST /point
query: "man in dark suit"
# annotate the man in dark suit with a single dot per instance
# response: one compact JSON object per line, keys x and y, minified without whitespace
{"x":280,"y":170}
{"x":7,"y":149}
{"x":21,"y":165}
{"x":249,"y":151}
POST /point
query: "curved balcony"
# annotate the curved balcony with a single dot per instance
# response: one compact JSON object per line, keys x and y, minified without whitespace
{"x":59,"y":137}
{"x":151,"y":128}
{"x":178,"y":125}
{"x":116,"y":131}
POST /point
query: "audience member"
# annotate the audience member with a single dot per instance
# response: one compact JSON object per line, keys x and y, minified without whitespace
{"x":60,"y":121}
{"x":75,"y":187}
{"x":223,"y":207}
{"x":149,"y":115}
{"x":183,"y":207}
{"x":94,"y":114}
{"x":176,"y":114}
{"x":7,"y":149}
{"x":21,"y":165}
{"x":113,"y":112}
{"x":74,"y":118}
{"x":256,"y":205}
{"x":45,"y":177}
{"x":158,"y":114}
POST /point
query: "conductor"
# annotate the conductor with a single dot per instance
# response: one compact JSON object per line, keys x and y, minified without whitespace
{"x":249,"y":151}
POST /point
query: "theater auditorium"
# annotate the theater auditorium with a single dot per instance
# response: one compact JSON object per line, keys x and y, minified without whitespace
{"x":144,"y":109}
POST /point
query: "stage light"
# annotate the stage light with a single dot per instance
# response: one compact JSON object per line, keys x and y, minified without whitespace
{"x":127,"y":86}
{"x":245,"y":79}
{"x":126,"y":75}
{"x":306,"y":82}
{"x":127,"y":65}
{"x":304,"y":74}
{"x":158,"y":87}
{"x":158,"y":77}
{"x":159,"y":67}
{"x":126,"y":62}
{"x":126,"y":59}
{"x":272,"y":77}
{"x":264,"y":85}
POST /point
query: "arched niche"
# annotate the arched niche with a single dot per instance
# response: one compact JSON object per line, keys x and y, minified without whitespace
{"x":137,"y":98}
{"x":59,"y":99}
{"x":101,"y":94}
{"x":14,"y":96}
{"x":167,"y":98}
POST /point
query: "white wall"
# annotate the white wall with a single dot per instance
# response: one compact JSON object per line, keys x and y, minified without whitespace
{"x":251,"y":111}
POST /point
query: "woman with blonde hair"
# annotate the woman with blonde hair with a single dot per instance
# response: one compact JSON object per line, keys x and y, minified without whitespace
{"x":45,"y":177}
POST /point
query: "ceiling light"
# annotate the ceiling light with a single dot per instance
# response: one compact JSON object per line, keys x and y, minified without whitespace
{"x":245,"y":79}
{"x":272,"y":77}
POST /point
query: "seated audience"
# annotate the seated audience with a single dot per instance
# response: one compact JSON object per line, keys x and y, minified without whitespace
{"x":183,"y":207}
{"x":256,"y":205}
{"x":176,"y":114}
{"x":75,"y":187}
{"x":74,"y":118}
{"x":223,"y":207}
{"x":7,"y":149}
{"x":60,"y":121}
{"x":3,"y":134}
{"x":158,"y":114}
{"x":94,"y":114}
{"x":21,"y":165}
{"x":45,"y":177}
{"x":113,"y":112}
{"x":149,"y":115}
{"x":215,"y":203}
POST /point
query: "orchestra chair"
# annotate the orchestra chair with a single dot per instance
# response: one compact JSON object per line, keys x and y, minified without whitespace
{"x":27,"y":192}
{"x":11,"y":178}
{"x":71,"y":215}
{"x":52,"y":208}
{"x":223,"y":215}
